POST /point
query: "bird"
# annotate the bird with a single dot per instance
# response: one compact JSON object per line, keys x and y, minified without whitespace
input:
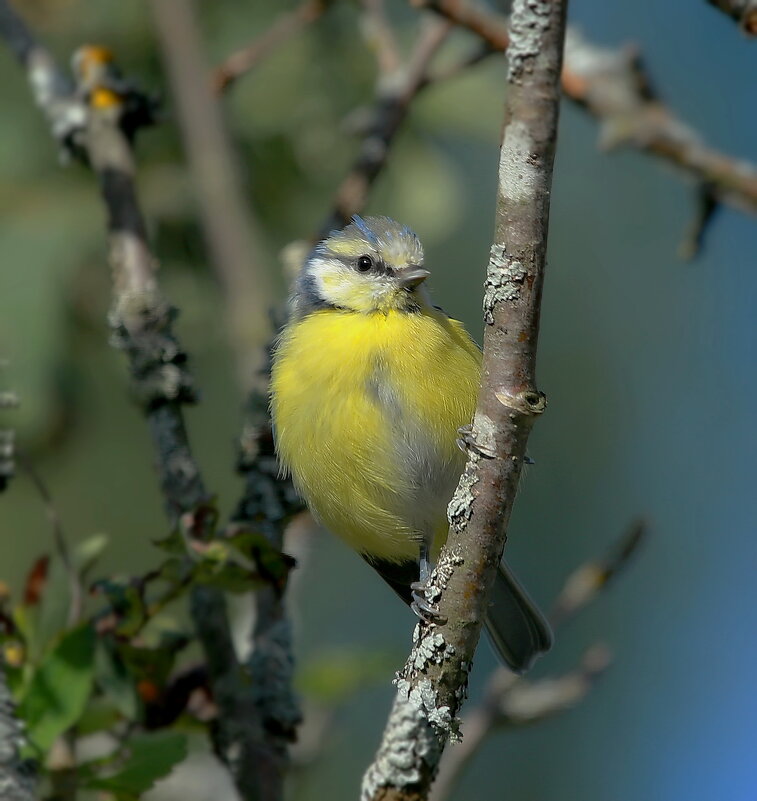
{"x":371,"y":385}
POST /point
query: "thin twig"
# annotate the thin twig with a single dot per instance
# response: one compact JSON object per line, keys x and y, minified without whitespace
{"x":392,"y":104}
{"x":449,"y":71}
{"x":75,"y":589}
{"x":227,"y":220}
{"x":520,"y":703}
{"x":615,"y":89}
{"x":585,"y":583}
{"x":246,"y":58}
{"x":743,"y":11}
{"x":431,"y":687}
{"x":380,"y":36}
{"x":509,"y":700}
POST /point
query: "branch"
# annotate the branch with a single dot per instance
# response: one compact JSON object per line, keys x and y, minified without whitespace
{"x":268,"y":503}
{"x":743,"y":11}
{"x":142,"y":324}
{"x":141,"y":320}
{"x":227,"y":220}
{"x":8,"y":400}
{"x":381,"y":37}
{"x":614,"y":88}
{"x":432,"y":685}
{"x":246,"y":58}
{"x":585,"y":583}
{"x":51,"y":88}
{"x":509,"y":700}
{"x":391,"y":106}
{"x":16,"y":784}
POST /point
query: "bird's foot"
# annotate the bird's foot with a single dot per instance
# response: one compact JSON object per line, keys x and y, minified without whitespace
{"x":422,"y":607}
{"x":467,"y":442}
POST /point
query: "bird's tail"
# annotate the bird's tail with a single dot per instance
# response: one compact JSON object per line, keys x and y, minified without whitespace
{"x":519,"y":631}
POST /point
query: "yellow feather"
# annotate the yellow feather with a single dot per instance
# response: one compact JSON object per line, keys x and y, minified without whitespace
{"x":366,"y":409}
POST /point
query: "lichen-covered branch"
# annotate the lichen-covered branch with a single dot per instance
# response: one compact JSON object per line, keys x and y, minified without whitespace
{"x":52,"y":89}
{"x":16,"y":784}
{"x":268,"y":503}
{"x":8,"y":400}
{"x":432,"y":685}
{"x":141,"y":320}
{"x":743,"y":11}
{"x":614,"y":88}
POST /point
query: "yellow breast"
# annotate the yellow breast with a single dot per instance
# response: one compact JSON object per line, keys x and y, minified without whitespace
{"x":366,"y":409}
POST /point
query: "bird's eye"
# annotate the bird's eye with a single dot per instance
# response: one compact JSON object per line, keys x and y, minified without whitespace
{"x":364,"y":263}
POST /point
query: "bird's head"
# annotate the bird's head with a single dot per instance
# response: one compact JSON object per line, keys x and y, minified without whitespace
{"x":373,"y":265}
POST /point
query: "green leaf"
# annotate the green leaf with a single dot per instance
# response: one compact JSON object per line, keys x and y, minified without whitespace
{"x":149,"y":757}
{"x":114,"y":680}
{"x":88,"y":552}
{"x":125,"y":596}
{"x":60,"y":687}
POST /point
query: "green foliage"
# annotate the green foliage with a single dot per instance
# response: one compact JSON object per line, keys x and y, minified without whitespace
{"x":60,"y":688}
{"x":147,"y":758}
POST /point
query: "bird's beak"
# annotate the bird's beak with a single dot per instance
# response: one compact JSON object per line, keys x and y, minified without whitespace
{"x":412,"y":277}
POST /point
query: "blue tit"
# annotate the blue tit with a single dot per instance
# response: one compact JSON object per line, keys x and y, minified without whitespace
{"x":370,"y":384}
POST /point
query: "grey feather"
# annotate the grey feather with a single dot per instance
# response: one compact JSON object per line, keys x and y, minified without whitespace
{"x":518,"y":630}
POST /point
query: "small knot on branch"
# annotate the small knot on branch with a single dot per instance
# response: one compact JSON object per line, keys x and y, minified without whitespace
{"x":529,"y":403}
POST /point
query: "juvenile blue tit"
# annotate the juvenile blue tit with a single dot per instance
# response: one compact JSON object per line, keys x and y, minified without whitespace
{"x":369,"y":387}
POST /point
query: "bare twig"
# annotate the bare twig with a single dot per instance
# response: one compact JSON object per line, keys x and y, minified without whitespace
{"x":743,"y":11}
{"x":613,"y":86}
{"x":393,"y":100}
{"x":246,"y":58}
{"x":510,"y":700}
{"x":431,"y":687}
{"x":227,"y":220}
{"x":471,"y":59}
{"x":16,"y":783}
{"x":75,"y":589}
{"x":585,"y":583}
{"x":380,"y":35}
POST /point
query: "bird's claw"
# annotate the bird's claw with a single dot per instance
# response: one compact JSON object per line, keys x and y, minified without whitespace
{"x":421,"y":606}
{"x":467,"y":442}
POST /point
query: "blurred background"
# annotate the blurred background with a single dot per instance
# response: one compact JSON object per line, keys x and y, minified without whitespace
{"x":648,"y":363}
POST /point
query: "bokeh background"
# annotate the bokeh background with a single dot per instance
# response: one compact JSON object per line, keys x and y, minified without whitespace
{"x":648,"y":363}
